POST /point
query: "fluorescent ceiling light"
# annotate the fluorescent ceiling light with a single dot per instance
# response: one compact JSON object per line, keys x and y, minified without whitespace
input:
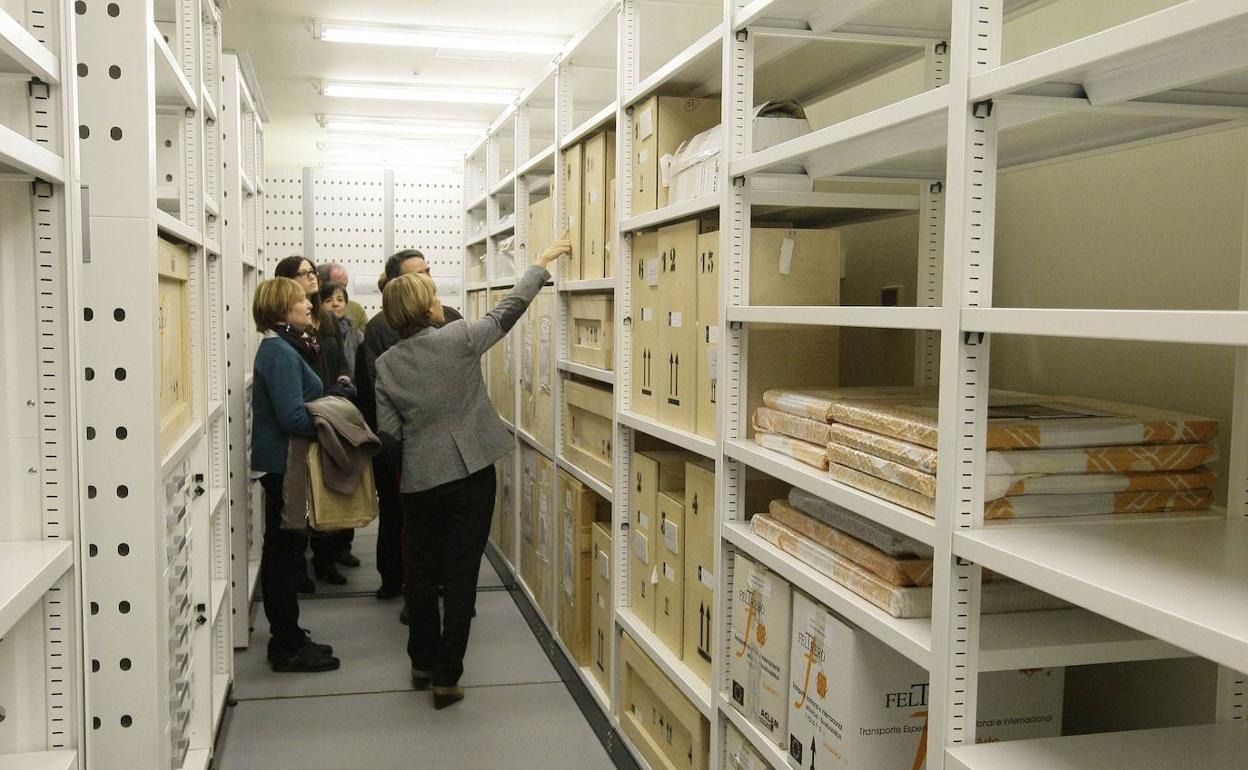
{"x":365,"y":153}
{"x":433,"y":37}
{"x":400,"y":127}
{"x":459,"y":145}
{"x":420,"y":93}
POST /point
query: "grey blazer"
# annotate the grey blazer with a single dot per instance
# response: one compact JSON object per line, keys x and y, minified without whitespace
{"x":432,"y":397}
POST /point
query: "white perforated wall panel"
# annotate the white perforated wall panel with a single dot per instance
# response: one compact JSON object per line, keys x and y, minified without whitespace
{"x":283,"y":214}
{"x":429,"y":215}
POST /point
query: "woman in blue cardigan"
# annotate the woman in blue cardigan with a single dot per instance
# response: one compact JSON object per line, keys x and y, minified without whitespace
{"x":284,"y":383}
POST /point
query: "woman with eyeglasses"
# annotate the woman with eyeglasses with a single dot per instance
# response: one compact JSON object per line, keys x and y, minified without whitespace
{"x":330,"y":550}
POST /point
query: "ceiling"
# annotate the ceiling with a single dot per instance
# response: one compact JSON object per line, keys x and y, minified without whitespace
{"x":289,"y":62}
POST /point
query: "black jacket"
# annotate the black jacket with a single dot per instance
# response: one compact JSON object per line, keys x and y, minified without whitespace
{"x":379,"y":337}
{"x":333,"y":359}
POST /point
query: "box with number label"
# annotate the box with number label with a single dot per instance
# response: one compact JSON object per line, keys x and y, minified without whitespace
{"x":592,"y":318}
{"x":677,"y":359}
{"x":669,"y":614}
{"x":602,"y":612}
{"x":643,"y":324}
{"x":579,"y":508}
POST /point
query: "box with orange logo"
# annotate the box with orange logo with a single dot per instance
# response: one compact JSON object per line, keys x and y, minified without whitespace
{"x":758,"y":659}
{"x":855,"y":702}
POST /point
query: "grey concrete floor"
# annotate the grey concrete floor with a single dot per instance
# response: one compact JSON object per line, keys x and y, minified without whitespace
{"x":365,"y":716}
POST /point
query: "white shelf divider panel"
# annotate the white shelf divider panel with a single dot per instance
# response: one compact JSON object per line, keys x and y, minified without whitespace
{"x":172,"y":87}
{"x":591,"y":372}
{"x":19,"y":155}
{"x":41,"y":760}
{"x":867,"y":317}
{"x":28,"y":569}
{"x":1182,"y":580}
{"x":589,"y":284}
{"x":587,"y":479}
{"x":694,"y":72}
{"x":697,"y":691}
{"x":543,"y":163}
{"x":596,"y":121}
{"x":177,"y":229}
{"x":1211,"y":327}
{"x":1210,"y":747}
{"x":22,"y":54}
{"x":672,"y":213}
{"x":681,"y":438}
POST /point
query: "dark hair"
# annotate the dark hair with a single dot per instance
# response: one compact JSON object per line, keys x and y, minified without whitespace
{"x":329,"y":287}
{"x":394,"y":265}
{"x":289,"y":268}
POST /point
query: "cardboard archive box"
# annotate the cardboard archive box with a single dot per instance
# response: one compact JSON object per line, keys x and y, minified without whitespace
{"x":579,"y":507}
{"x":588,"y":430}
{"x":660,"y":125}
{"x":669,"y":613}
{"x":792,"y":267}
{"x":503,"y":370}
{"x":758,"y":659}
{"x":541,"y":231}
{"x":877,"y":699}
{"x":545,"y":509}
{"x":572,"y":194}
{"x":653,"y":472}
{"x":644,"y":324}
{"x":506,"y":509}
{"x":592,"y":317}
{"x":706,"y":410}
{"x":538,"y":368}
{"x":700,"y":547}
{"x":669,"y":730}
{"x":528,"y":529}
{"x":602,"y":613}
{"x":177,"y":388}
{"x":598,"y":171}
{"x":741,"y":755}
{"x":677,"y":328}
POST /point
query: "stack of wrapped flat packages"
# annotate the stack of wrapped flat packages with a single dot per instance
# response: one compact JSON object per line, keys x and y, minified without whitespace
{"x":793,"y":422}
{"x":1047,"y":455}
{"x":889,"y":570}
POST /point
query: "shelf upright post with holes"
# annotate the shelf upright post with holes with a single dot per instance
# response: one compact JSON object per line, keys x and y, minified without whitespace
{"x":41,"y":548}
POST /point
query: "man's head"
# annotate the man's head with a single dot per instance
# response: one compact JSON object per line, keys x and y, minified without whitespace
{"x":332,"y":272}
{"x":404,"y":262}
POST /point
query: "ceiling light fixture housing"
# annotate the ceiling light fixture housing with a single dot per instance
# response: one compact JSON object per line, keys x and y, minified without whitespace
{"x":402,"y":127}
{"x":443,"y":38}
{"x":441,"y":93}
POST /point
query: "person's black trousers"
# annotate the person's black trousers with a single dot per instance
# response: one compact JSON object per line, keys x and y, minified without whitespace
{"x":389,"y":524}
{"x":447,"y":529}
{"x":281,"y":566}
{"x":325,"y":548}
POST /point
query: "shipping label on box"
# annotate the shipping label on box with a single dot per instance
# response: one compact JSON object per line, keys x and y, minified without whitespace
{"x":758,"y":661}
{"x":855,"y":702}
{"x":593,"y":329}
{"x":700,"y":548}
{"x":706,"y":410}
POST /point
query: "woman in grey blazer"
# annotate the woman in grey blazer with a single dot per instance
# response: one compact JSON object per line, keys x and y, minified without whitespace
{"x":431,"y":397}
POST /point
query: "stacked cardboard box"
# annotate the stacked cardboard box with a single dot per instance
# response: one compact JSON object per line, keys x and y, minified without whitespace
{"x":579,"y":509}
{"x":537,"y":528}
{"x":589,"y":199}
{"x":602,"y":611}
{"x":758,"y":659}
{"x":858,"y":703}
{"x":653,"y":473}
{"x":542,"y":231}
{"x":503,"y":370}
{"x":538,"y":368}
{"x":591,"y":318}
{"x":666,"y":727}
{"x":588,"y":429}
{"x":644,"y":328}
{"x":660,"y":125}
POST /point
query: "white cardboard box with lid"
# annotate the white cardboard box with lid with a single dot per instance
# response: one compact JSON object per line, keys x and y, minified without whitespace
{"x":758,"y":658}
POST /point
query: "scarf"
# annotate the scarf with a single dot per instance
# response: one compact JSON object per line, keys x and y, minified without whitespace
{"x":307,"y":346}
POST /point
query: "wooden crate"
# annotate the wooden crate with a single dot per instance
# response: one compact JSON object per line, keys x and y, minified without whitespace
{"x":665,"y":726}
{"x":706,"y":410}
{"x":592,"y":318}
{"x":173,"y":297}
{"x":538,"y":368}
{"x":541,"y":231}
{"x":572,"y":194}
{"x":599,"y":170}
{"x":700,"y":547}
{"x":588,"y":429}
{"x":669,"y":614}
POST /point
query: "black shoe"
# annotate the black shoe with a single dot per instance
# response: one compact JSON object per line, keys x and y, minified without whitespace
{"x":328,"y":573}
{"x":403,"y":618}
{"x":347,"y":559}
{"x":325,"y":648}
{"x":308,"y":659}
{"x":421,"y":679}
{"x":447,"y":696}
{"x":388,"y":592}
{"x":306,"y":586}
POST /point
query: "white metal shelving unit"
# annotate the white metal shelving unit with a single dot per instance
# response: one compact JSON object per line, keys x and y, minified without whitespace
{"x":156,"y":515}
{"x":935,"y":151}
{"x":41,"y":544}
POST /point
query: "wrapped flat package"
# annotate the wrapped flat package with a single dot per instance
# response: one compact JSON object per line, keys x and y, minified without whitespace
{"x":803,"y":428}
{"x":1025,"y":421}
{"x":1033,"y":506}
{"x":857,"y":526}
{"x":817,"y":403}
{"x":1014,"y":485}
{"x":1094,"y":459}
{"x":906,"y":570}
{"x":898,"y":601}
{"x":812,"y":454}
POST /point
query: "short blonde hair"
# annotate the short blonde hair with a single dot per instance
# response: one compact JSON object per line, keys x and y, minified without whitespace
{"x":406,"y":302}
{"x":273,"y":300}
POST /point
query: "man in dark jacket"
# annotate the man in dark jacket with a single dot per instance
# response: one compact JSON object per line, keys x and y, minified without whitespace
{"x":378,"y":338}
